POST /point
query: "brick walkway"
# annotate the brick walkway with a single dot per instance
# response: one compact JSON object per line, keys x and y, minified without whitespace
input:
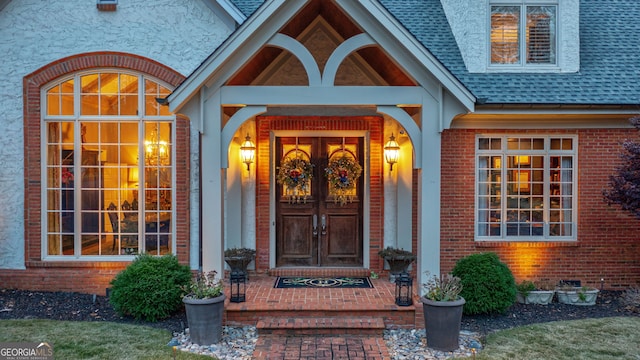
{"x":320,"y":348}
{"x":320,"y":323}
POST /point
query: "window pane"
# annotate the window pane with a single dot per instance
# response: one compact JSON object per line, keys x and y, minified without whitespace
{"x":538,"y":195}
{"x":93,"y":182}
{"x":505,"y":41}
{"x":541,"y":34}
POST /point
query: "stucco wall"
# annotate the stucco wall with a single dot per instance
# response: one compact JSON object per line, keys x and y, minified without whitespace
{"x":469,"y":21}
{"x":33,"y":33}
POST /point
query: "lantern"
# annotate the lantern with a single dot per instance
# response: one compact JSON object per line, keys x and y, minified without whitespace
{"x":238,"y":281}
{"x":404,"y":290}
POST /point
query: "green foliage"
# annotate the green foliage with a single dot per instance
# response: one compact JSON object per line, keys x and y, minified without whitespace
{"x":150,"y":288}
{"x":525,"y":287}
{"x":204,"y":286}
{"x":444,"y":288}
{"x":488,"y":285}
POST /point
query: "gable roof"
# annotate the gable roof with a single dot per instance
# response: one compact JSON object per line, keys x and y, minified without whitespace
{"x":609,"y":55}
{"x":265,"y":21}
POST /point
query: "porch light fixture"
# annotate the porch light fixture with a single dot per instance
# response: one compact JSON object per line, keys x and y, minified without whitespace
{"x":404,"y":290}
{"x":391,"y":151}
{"x":248,"y":151}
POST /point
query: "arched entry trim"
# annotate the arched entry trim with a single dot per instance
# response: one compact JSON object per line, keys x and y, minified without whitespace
{"x":298,"y":50}
{"x":340,"y":53}
{"x":232,"y":126}
{"x":410,"y":127}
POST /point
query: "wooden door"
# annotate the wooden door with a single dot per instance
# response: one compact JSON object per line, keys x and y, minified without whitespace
{"x":318,"y":225}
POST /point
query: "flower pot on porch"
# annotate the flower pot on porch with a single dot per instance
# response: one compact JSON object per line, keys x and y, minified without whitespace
{"x":398,"y":265}
{"x":204,"y":317}
{"x":239,"y":259}
{"x":442,"y":323}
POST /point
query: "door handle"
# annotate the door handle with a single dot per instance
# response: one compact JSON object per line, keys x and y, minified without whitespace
{"x":315,"y":225}
{"x":323,"y":221}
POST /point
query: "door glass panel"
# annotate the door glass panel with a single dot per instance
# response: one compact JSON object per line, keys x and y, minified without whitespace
{"x":343,"y":172}
{"x":296,"y":172}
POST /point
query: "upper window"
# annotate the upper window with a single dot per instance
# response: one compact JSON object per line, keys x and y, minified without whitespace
{"x":526,"y":188}
{"x":523,"y":35}
{"x":108,"y":167}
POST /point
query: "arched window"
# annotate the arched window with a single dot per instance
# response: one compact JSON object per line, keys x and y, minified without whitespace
{"x":107,"y":166}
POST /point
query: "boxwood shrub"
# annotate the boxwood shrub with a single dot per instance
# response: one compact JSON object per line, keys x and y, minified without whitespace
{"x":150,"y":288}
{"x":488,"y":286}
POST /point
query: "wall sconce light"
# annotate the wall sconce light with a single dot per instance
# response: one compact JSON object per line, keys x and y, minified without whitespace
{"x":248,"y":151}
{"x":391,"y":151}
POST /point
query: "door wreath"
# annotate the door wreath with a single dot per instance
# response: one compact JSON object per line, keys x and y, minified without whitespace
{"x":295,"y":174}
{"x":343,"y":174}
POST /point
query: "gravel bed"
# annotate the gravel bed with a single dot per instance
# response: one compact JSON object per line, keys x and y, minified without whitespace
{"x":238,"y":342}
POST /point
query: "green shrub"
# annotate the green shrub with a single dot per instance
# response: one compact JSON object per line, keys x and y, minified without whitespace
{"x":150,"y":288}
{"x":488,"y":285}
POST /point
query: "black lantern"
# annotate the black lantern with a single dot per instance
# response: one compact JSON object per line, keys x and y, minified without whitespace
{"x":404,"y":290}
{"x":238,"y":281}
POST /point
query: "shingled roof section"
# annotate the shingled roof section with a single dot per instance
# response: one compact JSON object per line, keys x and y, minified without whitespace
{"x":609,"y":56}
{"x":247,"y":7}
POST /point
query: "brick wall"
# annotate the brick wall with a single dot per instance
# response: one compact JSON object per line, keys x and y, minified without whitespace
{"x":90,"y":277}
{"x":608,"y":245}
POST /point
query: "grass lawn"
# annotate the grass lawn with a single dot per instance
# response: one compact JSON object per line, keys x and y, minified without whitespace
{"x":607,"y":338}
{"x":94,"y":340}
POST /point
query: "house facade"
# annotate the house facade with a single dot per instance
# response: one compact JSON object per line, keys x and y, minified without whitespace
{"x":316,"y":132}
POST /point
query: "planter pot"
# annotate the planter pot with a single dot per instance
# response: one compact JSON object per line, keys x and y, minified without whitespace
{"x":578,"y":297}
{"x":540,"y":297}
{"x":204,"y":317}
{"x":398,"y":265}
{"x":442,"y":323}
{"x":238,"y":263}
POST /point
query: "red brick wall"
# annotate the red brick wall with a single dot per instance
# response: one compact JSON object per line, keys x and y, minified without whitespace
{"x":608,"y":243}
{"x":83,"y":276}
{"x":266,"y":124}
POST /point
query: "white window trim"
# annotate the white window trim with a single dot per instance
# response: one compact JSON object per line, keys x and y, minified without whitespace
{"x":142,"y":118}
{"x":547,"y":152}
{"x":522,"y":66}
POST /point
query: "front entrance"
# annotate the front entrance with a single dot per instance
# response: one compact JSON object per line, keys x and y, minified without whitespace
{"x":320,"y":225}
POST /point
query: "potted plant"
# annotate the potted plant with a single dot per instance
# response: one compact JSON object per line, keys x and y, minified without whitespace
{"x":239,"y":259}
{"x":576,"y":295}
{"x":540,"y":292}
{"x":204,"y":304}
{"x":398,"y":260}
{"x":442,"y":305}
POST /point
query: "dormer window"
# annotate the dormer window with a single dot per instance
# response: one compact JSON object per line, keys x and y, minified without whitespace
{"x":531,"y":42}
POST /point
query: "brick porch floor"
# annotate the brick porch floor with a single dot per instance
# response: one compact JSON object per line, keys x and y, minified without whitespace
{"x":320,"y":323}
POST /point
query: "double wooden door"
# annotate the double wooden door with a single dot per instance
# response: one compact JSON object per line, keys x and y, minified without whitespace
{"x":317,"y":226}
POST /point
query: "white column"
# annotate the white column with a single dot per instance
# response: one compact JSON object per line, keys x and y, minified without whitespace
{"x":390,"y":205}
{"x":429,"y":191}
{"x":212,"y":189}
{"x":249,"y":206}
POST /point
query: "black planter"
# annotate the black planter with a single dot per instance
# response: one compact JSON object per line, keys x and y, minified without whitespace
{"x":442,"y":322}
{"x":398,"y":265}
{"x":204,"y":317}
{"x":238,"y":263}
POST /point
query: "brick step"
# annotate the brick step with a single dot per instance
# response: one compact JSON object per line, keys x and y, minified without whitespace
{"x":304,"y":326}
{"x":320,"y":272}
